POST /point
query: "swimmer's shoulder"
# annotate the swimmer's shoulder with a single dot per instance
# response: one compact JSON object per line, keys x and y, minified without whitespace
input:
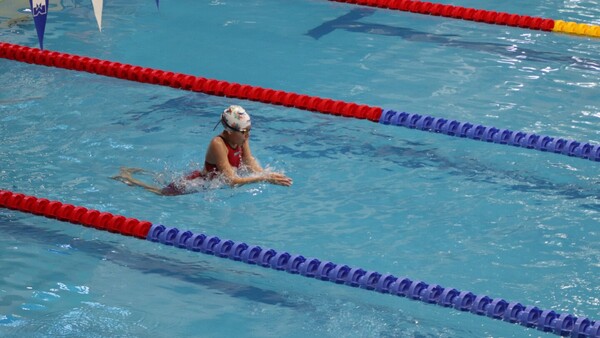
{"x":217,"y":142}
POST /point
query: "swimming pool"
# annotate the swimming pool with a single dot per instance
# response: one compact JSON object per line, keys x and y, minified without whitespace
{"x":496,"y":220}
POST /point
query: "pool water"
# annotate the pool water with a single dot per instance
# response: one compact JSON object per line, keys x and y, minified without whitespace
{"x":502,"y":221}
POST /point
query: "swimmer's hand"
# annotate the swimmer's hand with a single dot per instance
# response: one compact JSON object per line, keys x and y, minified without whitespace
{"x":278,"y":179}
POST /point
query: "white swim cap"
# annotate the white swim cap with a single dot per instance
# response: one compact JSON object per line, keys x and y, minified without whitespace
{"x":235,"y":118}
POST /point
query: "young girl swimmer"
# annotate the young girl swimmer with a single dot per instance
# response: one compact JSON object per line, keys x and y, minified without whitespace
{"x":226,"y":152}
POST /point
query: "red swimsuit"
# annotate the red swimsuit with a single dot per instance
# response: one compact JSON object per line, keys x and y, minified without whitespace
{"x":234,"y":156}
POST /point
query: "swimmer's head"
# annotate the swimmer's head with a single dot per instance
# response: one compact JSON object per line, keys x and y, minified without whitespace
{"x":235,"y":118}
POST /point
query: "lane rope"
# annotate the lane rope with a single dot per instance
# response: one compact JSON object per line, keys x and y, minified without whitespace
{"x":481,"y":15}
{"x":562,"y":324}
{"x":300,"y":101}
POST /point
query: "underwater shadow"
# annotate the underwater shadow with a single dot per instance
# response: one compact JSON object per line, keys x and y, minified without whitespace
{"x":349,"y":22}
{"x":195,"y":273}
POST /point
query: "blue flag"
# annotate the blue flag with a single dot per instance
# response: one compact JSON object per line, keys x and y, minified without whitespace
{"x":39,"y":9}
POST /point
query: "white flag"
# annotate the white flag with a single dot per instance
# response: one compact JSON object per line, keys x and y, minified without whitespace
{"x":97,"y":4}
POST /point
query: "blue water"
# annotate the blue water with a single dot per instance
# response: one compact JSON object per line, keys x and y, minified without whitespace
{"x":502,"y":221}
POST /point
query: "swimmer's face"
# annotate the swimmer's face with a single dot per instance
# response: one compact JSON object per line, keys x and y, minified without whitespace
{"x":240,"y":137}
{"x":245,"y":134}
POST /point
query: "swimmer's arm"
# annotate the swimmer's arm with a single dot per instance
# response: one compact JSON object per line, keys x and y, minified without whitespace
{"x":273,"y":178}
{"x":249,"y":160}
{"x":217,"y":153}
{"x":234,"y":180}
{"x":263,"y":176}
